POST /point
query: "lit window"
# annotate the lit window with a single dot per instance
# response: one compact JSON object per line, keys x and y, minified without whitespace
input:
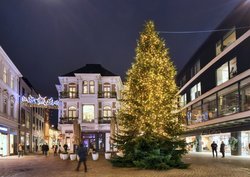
{"x":227,"y":40}
{"x":72,"y":111}
{"x":183,"y":100}
{"x":196,"y":68}
{"x":88,"y":113}
{"x":107,"y":111}
{"x":195,"y":91}
{"x":227,"y":71}
{"x":85,"y":87}
{"x":91,"y":87}
{"x":4,"y":75}
{"x":72,"y":91}
{"x":106,"y":90}
{"x":228,"y":100}
{"x":12,"y":82}
{"x":245,"y":94}
{"x":222,"y":74}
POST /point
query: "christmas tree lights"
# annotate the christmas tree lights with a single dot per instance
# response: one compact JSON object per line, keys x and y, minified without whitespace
{"x":148,"y":118}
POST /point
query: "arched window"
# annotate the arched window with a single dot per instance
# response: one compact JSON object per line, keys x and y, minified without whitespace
{"x":72,"y":111}
{"x":106,"y":90}
{"x":107,"y":111}
{"x":91,"y":87}
{"x":85,"y":87}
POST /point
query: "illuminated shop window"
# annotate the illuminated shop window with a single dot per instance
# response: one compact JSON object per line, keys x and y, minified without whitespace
{"x":88,"y":113}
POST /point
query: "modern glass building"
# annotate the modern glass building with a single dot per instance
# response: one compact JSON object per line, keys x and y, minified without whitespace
{"x":215,"y":87}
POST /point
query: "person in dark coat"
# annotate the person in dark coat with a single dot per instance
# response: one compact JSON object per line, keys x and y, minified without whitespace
{"x":46,"y":149}
{"x":82,"y":153}
{"x":43,"y":149}
{"x":55,"y":147}
{"x":222,"y":149}
{"x":214,"y":148}
{"x":65,"y":146}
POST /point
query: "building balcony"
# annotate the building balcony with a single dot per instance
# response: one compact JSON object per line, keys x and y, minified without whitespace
{"x":67,"y":94}
{"x":105,"y":120}
{"x":106,"y":94}
{"x":67,"y":120}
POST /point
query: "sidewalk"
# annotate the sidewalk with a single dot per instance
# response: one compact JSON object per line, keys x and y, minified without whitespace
{"x":202,"y":165}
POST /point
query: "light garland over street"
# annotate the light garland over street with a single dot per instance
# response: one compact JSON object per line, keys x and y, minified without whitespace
{"x":42,"y":102}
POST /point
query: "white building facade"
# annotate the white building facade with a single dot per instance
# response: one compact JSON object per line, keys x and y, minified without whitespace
{"x":89,"y":95}
{"x":9,"y":105}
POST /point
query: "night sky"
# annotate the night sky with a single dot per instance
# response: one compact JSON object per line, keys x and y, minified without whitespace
{"x":48,"y":38}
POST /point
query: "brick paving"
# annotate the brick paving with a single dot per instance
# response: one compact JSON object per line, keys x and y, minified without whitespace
{"x":202,"y":165}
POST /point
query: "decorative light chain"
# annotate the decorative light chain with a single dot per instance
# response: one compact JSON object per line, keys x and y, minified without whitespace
{"x":43,"y":102}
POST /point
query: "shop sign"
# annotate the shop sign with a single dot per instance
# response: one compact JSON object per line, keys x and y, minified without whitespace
{"x":3,"y":129}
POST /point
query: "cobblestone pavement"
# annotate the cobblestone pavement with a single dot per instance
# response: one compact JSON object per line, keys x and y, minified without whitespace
{"x":202,"y":165}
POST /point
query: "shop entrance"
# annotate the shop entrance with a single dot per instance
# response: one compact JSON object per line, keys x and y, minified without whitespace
{"x":218,"y":138}
{"x":94,"y":140}
{"x":245,"y":143}
{"x":3,"y":144}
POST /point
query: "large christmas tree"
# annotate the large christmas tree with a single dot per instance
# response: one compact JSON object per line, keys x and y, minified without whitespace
{"x":148,"y":119}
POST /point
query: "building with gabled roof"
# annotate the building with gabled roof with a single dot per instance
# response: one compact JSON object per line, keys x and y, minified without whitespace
{"x":88,"y":98}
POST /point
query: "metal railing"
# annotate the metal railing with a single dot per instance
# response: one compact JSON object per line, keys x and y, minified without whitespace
{"x":107,"y":94}
{"x":67,"y":120}
{"x":105,"y":120}
{"x":68,"y":94}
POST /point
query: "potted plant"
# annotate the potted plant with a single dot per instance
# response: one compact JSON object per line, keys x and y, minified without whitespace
{"x":95,"y":155}
{"x":65,"y":155}
{"x":120,"y":154}
{"x":233,"y":143}
{"x":108,"y":155}
{"x":72,"y":156}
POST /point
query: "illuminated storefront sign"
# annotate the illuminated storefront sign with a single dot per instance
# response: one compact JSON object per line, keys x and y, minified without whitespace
{"x":3,"y":129}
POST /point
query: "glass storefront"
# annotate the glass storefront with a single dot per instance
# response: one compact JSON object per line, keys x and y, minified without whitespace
{"x":94,"y":140}
{"x":209,"y":107}
{"x":245,"y":143}
{"x":228,"y":100}
{"x":3,"y":144}
{"x":207,"y":140}
{"x":196,"y":113}
{"x":245,"y":94}
{"x":191,"y":143}
{"x":11,"y":144}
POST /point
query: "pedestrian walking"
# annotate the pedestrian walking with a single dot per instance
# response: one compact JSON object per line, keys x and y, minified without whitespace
{"x":43,"y":149}
{"x":214,"y":148}
{"x":20,"y":150}
{"x":60,"y":149}
{"x":46,"y":149}
{"x":222,"y":149}
{"x":65,"y":146}
{"x":55,"y":147}
{"x":82,"y":153}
